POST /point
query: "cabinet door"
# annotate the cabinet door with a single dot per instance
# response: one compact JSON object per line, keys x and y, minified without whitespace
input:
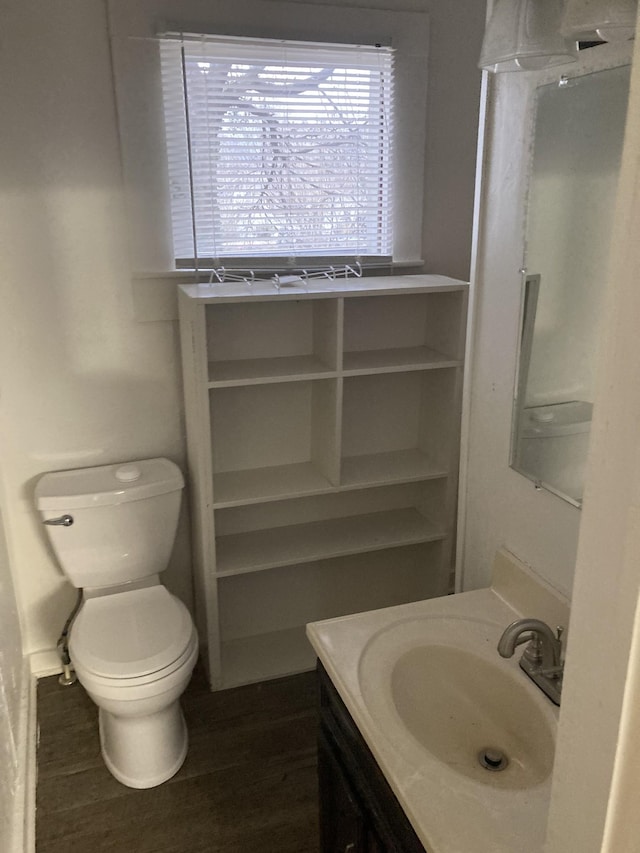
{"x":357,"y":794}
{"x":374,"y":845}
{"x":342,"y":824}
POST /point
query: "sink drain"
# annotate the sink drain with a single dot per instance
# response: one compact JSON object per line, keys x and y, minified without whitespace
{"x":492,"y":759}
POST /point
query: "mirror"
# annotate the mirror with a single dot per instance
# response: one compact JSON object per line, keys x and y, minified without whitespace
{"x":578,"y":136}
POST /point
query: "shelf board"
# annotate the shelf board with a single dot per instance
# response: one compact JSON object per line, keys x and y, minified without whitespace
{"x":256,"y":485}
{"x":258,"y":550}
{"x":264,"y":291}
{"x":265,"y":656}
{"x":260,"y":371}
{"x":398,"y":466}
{"x":395,"y":360}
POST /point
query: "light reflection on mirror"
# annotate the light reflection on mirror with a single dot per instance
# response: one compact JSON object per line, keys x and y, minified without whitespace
{"x":579,"y":131}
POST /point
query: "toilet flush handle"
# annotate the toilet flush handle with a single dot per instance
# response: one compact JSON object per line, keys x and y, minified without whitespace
{"x":61,"y":521}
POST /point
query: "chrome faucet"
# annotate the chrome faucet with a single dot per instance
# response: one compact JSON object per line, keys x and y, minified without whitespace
{"x":541,"y":660}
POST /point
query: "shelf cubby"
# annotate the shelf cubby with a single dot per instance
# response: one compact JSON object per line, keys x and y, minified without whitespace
{"x":300,"y":543}
{"x":399,"y":333}
{"x":257,"y":538}
{"x":257,"y":342}
{"x":263,"y":614}
{"x":393,"y":421}
{"x":273,"y":440}
{"x":261,"y":657}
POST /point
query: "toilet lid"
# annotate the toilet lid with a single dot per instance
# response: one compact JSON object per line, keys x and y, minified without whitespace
{"x":129,"y":634}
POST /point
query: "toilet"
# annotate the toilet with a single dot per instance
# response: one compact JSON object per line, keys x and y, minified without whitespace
{"x":133,"y":644}
{"x":553,"y":445}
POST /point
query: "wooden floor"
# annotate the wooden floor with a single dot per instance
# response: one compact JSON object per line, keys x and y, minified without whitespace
{"x":248,"y":784}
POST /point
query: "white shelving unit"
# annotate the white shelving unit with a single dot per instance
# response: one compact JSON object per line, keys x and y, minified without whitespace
{"x":322,"y":427}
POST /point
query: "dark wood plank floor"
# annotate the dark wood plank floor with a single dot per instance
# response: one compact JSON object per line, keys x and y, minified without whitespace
{"x":248,"y":784}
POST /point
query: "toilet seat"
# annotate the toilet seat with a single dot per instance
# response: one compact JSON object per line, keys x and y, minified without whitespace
{"x":153,"y":681}
{"x":132,"y":637}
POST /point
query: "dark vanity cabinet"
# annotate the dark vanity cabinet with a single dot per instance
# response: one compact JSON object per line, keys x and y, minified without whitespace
{"x":359,"y":812}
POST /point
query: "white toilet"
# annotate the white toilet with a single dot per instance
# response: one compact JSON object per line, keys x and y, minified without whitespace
{"x":133,"y":644}
{"x":553,"y":445}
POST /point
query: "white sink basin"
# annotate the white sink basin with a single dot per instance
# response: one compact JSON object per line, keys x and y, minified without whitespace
{"x":428,"y":690}
{"x":439,"y":685}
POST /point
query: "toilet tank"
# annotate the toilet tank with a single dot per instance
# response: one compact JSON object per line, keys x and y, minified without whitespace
{"x":124,"y":520}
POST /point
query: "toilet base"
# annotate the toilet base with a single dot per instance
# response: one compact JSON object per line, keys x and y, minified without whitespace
{"x":142,"y":752}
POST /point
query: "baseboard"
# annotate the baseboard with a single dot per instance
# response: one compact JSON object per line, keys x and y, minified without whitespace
{"x":44,"y":663}
{"x":24,"y":812}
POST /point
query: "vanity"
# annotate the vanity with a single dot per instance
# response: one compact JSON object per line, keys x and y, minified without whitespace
{"x":429,"y":739}
{"x":359,"y":812}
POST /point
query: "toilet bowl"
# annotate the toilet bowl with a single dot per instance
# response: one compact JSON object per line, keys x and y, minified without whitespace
{"x":133,"y":644}
{"x":133,"y":653}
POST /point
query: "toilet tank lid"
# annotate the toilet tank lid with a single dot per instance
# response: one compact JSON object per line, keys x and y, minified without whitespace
{"x":107,"y":485}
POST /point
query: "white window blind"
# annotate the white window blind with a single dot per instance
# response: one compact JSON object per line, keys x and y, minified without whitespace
{"x":278,"y":149}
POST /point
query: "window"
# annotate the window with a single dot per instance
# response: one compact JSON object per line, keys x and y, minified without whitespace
{"x":278,"y":149}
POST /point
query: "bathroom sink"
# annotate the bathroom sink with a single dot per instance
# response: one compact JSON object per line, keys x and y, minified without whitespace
{"x":437,"y":687}
{"x":429,"y":693}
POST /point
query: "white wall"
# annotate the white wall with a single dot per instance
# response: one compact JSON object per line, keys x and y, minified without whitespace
{"x":594,"y":806}
{"x":136,"y":64}
{"x":444,"y":35}
{"x":12,"y":686}
{"x":84,"y":382}
{"x":594,"y":803}
{"x":501,"y":507}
